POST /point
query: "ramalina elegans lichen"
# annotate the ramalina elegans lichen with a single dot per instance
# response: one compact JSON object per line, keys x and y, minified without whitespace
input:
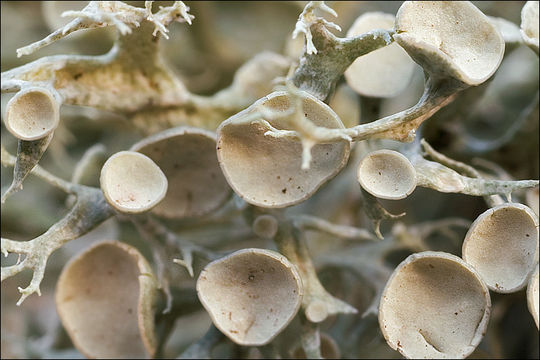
{"x":238,"y":162}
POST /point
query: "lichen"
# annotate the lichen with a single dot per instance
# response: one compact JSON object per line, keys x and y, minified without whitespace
{"x":310,"y":196}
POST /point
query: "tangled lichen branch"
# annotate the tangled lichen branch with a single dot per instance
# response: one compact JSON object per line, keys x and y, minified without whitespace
{"x":89,"y":211}
{"x":306,"y":222}
{"x":437,"y":176}
{"x":113,"y":13}
{"x":307,"y":18}
{"x":317,"y":303}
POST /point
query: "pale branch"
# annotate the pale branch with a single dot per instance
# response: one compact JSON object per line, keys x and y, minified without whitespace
{"x":294,"y":116}
{"x":439,"y":177}
{"x":401,"y":126}
{"x":165,"y":16}
{"x":366,"y":259}
{"x":424,"y":229}
{"x":26,"y":168}
{"x":307,"y":222}
{"x":491,"y":200}
{"x":317,"y":303}
{"x":451,"y":163}
{"x":90,"y":210}
{"x":310,"y":339}
{"x":88,"y":169}
{"x":307,"y":18}
{"x":326,"y":56}
{"x":133,"y":80}
{"x":13,"y":85}
{"x":124,"y":17}
{"x":160,"y":256}
{"x":133,"y":64}
{"x":150,"y":227}
{"x":414,"y":236}
{"x":28,"y":155}
{"x":376,"y":212}
{"x":319,"y":72}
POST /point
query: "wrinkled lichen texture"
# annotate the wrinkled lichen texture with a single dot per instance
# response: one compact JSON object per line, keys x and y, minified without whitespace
{"x":117,"y":93}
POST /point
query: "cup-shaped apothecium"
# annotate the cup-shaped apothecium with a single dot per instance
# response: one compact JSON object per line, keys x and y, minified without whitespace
{"x":387,"y":174}
{"x":105,"y":299}
{"x":532,"y":295}
{"x":251,"y":295}
{"x":384,"y":72}
{"x":529,"y":24}
{"x":187,"y":157}
{"x":450,"y":39}
{"x":266,"y":171}
{"x":132,"y":182}
{"x":502,"y":245}
{"x":254,"y":78}
{"x":32,"y":113}
{"x":434,"y":306}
